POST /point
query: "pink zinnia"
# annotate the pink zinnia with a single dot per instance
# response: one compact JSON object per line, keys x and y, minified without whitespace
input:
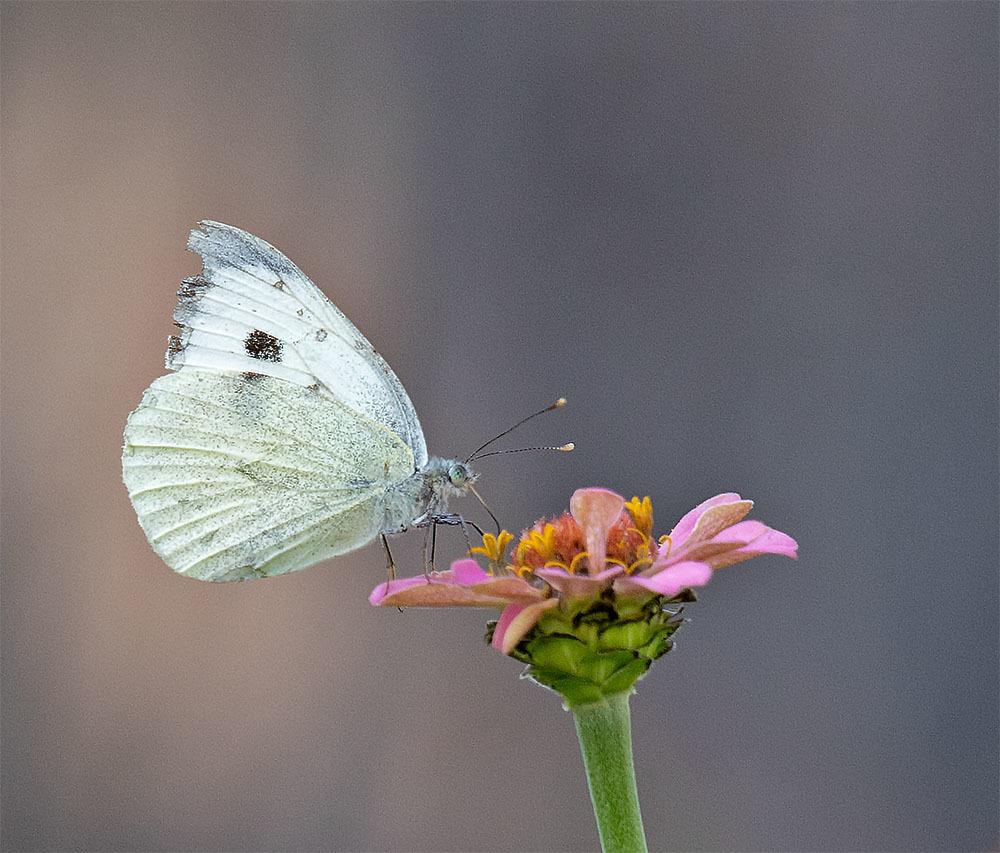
{"x":584,"y":602}
{"x":601,"y":554}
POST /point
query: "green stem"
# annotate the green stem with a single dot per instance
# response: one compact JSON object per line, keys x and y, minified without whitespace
{"x":605,"y":733}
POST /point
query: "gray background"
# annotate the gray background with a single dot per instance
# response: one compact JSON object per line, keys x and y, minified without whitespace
{"x":756,"y":247}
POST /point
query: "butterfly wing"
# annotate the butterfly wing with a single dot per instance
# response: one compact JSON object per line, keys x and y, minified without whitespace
{"x":252,"y":310}
{"x":236,"y":476}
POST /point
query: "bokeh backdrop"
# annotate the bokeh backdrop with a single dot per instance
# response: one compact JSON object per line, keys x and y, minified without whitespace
{"x":754,"y":244}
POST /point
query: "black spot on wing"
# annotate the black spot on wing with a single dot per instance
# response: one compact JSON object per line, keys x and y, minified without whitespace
{"x":261,"y":345}
{"x":250,"y":376}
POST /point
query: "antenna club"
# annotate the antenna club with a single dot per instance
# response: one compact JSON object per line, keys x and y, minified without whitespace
{"x":478,"y":454}
{"x":567,"y":447}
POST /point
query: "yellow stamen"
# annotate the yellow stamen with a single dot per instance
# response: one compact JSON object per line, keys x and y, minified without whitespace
{"x":642,"y":561}
{"x":665,"y":538}
{"x":639,"y":565}
{"x":642,"y":514}
{"x":494,"y":547}
{"x":542,"y":543}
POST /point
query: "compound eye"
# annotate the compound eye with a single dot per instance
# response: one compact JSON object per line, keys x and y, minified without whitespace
{"x":458,"y":474}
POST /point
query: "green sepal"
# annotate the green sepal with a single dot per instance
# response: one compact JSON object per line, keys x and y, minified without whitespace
{"x":592,"y":676}
{"x":627,"y":635}
{"x":575,"y":691}
{"x":659,"y":645}
{"x":625,"y":678}
{"x":596,"y":652}
{"x":554,"y":652}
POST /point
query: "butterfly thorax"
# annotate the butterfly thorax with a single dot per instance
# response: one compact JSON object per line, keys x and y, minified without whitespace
{"x":420,"y":497}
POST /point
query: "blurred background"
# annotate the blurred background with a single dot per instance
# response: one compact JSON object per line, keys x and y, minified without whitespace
{"x":755,"y":245}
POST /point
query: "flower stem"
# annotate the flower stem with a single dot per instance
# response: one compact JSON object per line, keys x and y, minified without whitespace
{"x":605,"y":733}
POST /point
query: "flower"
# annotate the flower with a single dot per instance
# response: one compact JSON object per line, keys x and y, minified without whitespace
{"x":583,"y":597}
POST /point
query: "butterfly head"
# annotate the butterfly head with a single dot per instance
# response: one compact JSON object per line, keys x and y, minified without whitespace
{"x":448,"y":477}
{"x":460,"y":475}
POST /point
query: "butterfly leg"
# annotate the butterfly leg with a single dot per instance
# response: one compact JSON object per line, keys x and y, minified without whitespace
{"x":465,"y":533}
{"x":431,"y":522}
{"x":390,"y":565}
{"x":430,"y":534}
{"x":454,"y":519}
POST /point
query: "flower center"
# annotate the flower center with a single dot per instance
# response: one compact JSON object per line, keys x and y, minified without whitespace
{"x":561,"y":543}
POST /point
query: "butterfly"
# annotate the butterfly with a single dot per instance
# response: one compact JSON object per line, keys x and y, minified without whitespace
{"x":281,"y":438}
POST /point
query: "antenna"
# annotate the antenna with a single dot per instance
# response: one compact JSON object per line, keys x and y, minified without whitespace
{"x":563,"y":447}
{"x":558,"y":404}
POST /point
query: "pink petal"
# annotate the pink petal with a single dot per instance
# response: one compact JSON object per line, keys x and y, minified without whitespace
{"x":710,"y":523}
{"x":684,"y":527}
{"x":741,"y":532}
{"x":509,"y":588}
{"x":578,"y":586}
{"x":770,"y":542}
{"x":437,"y":594}
{"x":675,"y":578}
{"x":775,"y":542}
{"x":464,"y":585}
{"x":468,"y":572}
{"x":516,"y":620}
{"x":596,"y":510}
{"x":383,"y":590}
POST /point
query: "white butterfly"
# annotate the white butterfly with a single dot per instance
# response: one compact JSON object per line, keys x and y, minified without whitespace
{"x":282,"y":438}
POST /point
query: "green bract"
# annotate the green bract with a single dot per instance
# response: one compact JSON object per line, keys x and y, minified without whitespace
{"x":598,"y":650}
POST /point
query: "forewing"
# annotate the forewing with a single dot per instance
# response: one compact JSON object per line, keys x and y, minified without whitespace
{"x":235,"y":477}
{"x":252,"y":310}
